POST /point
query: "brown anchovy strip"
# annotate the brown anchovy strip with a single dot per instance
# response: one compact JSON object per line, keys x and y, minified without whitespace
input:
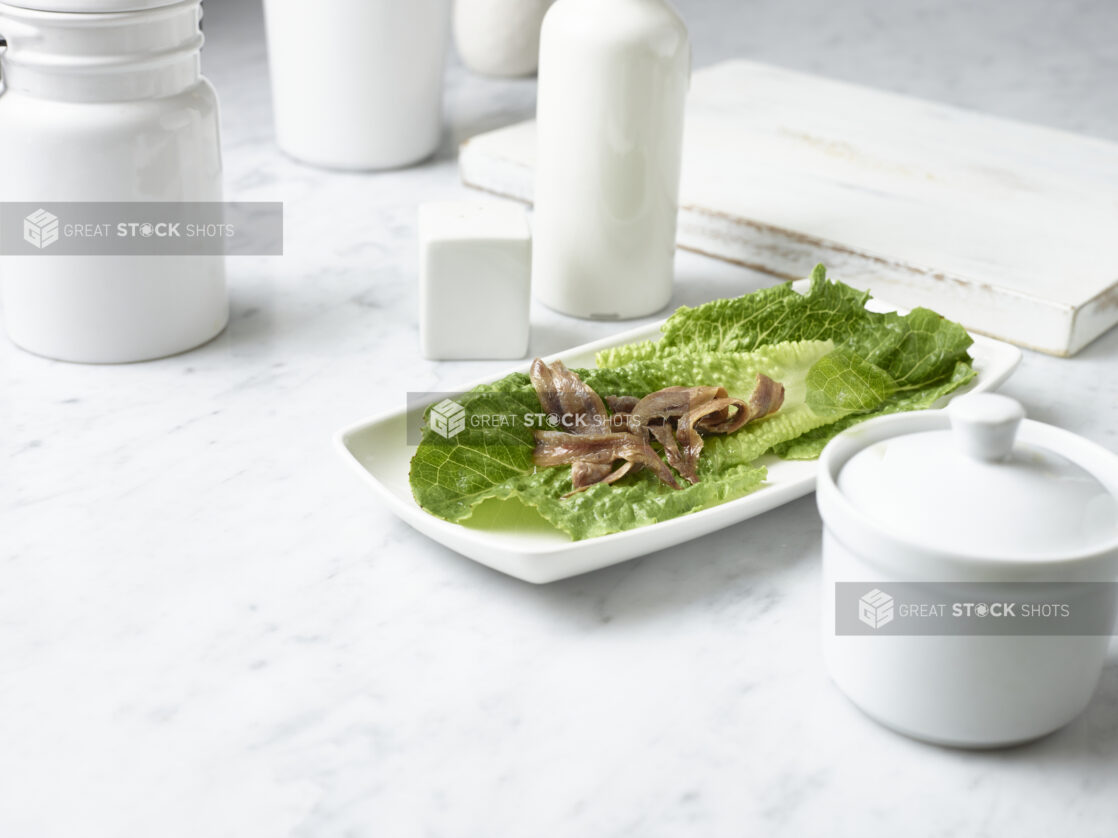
{"x":663,"y":434}
{"x":585,"y":452}
{"x":688,"y":406}
{"x":669,"y":403}
{"x":564,"y":395}
{"x":622,"y":404}
{"x":714,"y":412}
{"x":706,"y":409}
{"x":591,"y":451}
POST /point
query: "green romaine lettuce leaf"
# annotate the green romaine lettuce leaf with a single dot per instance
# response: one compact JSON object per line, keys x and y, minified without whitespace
{"x":915,"y":348}
{"x":884,"y":362}
{"x":811,"y":444}
{"x":450,"y":478}
{"x":843,"y":383}
{"x":839,"y":363}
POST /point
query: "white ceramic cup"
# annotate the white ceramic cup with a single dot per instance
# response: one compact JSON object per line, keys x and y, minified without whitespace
{"x":358,"y":84}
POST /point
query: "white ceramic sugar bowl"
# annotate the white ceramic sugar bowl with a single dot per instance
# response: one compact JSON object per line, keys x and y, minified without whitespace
{"x":937,"y":501}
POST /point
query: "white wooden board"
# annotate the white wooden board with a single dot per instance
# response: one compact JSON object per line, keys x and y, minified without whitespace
{"x":1011,"y":229}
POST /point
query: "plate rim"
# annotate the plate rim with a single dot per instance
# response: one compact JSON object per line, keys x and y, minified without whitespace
{"x":453,"y":535}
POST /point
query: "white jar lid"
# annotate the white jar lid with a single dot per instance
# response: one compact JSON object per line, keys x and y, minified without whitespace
{"x":89,"y":6}
{"x":987,"y":486}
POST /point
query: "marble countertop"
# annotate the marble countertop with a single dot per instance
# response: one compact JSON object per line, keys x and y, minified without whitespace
{"x":209,"y":628}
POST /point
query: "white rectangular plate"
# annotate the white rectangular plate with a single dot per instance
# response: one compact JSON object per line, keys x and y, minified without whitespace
{"x":378,"y":450}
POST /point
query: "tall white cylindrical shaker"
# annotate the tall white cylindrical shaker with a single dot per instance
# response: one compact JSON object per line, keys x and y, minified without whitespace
{"x":613,"y":83}
{"x":358,"y":84}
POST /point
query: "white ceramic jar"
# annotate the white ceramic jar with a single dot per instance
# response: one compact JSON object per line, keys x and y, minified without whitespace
{"x":613,"y":82}
{"x":358,"y":84}
{"x":499,"y":37}
{"x":951,"y":498}
{"x":104,"y":101}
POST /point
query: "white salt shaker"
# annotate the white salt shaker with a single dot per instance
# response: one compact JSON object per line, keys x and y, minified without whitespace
{"x":474,"y":280}
{"x":499,"y":37}
{"x":613,"y":83}
{"x":104,"y":101}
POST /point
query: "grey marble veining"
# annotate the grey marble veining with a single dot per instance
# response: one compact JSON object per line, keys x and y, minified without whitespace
{"x":207,"y":627}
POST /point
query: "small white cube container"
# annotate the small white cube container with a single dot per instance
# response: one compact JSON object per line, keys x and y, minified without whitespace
{"x":475,"y":264}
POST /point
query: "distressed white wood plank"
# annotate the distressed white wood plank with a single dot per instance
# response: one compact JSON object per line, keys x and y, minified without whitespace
{"x":1011,"y":229}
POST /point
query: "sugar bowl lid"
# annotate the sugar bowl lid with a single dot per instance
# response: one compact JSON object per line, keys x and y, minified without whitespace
{"x":986,"y":484}
{"x":90,"y":6}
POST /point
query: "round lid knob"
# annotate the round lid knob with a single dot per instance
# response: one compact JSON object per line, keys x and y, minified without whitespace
{"x":985,"y":425}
